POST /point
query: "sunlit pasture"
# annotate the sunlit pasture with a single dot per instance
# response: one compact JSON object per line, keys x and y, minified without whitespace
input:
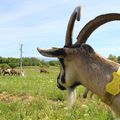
{"x":36,"y":97}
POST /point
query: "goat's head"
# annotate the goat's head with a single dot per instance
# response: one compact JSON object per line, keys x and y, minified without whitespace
{"x":70,"y":53}
{"x":64,"y":54}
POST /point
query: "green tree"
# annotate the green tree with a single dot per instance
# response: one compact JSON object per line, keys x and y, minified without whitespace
{"x":35,"y":61}
{"x":12,"y":65}
{"x":15,"y":62}
{"x":4,"y":66}
{"x":43,"y":64}
{"x":113,"y":58}
{"x":118,"y":59}
{"x":54,"y":63}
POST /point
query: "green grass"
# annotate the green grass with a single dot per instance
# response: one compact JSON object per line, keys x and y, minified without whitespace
{"x":36,"y":97}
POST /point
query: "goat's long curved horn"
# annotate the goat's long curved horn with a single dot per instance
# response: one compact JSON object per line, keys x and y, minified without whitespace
{"x":94,"y":24}
{"x":75,"y":15}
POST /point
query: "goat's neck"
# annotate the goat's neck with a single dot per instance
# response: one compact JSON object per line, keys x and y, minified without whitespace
{"x":96,"y":72}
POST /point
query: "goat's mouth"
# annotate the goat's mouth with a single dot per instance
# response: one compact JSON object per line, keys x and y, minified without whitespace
{"x":61,"y":87}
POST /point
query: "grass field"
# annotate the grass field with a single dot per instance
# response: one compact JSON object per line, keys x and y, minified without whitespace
{"x":36,"y":97}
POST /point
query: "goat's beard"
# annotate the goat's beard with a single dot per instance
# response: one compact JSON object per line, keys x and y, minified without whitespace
{"x":71,"y":98}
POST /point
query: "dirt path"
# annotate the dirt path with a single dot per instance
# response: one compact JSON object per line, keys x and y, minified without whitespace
{"x":7,"y":97}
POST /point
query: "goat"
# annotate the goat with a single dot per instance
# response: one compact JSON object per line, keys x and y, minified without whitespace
{"x":43,"y":71}
{"x":0,"y":71}
{"x":14,"y":72}
{"x":82,"y":65}
{"x":6,"y":71}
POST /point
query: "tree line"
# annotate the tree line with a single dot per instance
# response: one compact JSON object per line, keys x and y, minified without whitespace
{"x":32,"y":61}
{"x":114,"y":58}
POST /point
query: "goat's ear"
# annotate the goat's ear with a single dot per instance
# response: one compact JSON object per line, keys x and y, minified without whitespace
{"x":54,"y":52}
{"x":87,"y":48}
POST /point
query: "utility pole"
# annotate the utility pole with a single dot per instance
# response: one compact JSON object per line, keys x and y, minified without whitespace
{"x":21,"y":68}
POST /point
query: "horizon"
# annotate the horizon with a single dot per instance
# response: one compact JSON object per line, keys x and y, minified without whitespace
{"x":43,"y":24}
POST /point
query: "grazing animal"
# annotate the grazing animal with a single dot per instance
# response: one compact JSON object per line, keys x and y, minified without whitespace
{"x":43,"y":71}
{"x":0,"y":71}
{"x":82,"y":65}
{"x":9,"y":72}
{"x":6,"y":71}
{"x":14,"y":72}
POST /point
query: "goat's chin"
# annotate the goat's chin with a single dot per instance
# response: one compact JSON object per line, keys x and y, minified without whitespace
{"x":71,"y":97}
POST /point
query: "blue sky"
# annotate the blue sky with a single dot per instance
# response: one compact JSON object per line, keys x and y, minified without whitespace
{"x":42,"y":23}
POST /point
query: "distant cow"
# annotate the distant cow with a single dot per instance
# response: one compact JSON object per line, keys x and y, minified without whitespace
{"x":43,"y":71}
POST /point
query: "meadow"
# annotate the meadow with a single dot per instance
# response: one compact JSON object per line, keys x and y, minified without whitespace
{"x":36,"y":97}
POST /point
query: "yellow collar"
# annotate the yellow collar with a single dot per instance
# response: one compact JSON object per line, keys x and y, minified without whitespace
{"x":113,"y":87}
{"x":118,"y":72}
